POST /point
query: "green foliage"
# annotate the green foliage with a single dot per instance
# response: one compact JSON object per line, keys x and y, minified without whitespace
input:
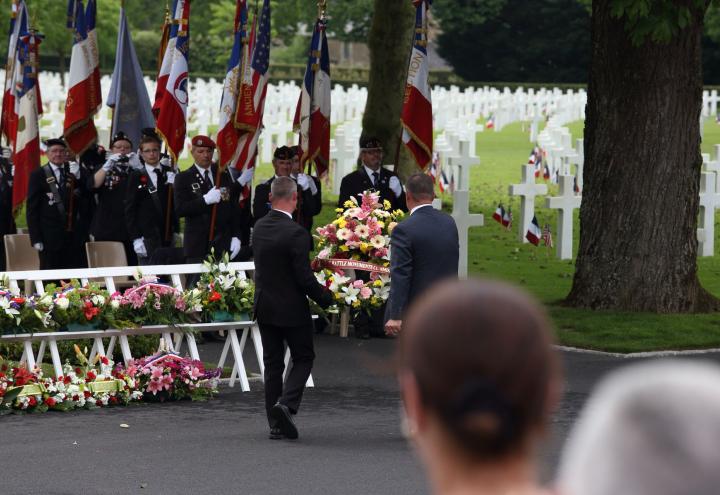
{"x":657,"y":21}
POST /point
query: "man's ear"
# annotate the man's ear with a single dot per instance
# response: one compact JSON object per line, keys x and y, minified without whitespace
{"x":270,"y":197}
{"x":294,"y":196}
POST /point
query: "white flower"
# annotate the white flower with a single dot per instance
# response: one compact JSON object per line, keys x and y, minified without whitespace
{"x":344,"y":234}
{"x":351,"y":294}
{"x":377,"y":241}
{"x":62,"y":302}
{"x":362,"y":231}
{"x":115,"y":304}
{"x":324,"y":254}
{"x":98,"y":300}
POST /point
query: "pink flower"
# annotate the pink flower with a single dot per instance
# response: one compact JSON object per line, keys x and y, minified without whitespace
{"x":167,"y":382}
{"x":365,"y":293}
{"x":358,"y":284}
{"x":156,"y":373}
{"x":154,"y":386}
{"x":195,"y":373}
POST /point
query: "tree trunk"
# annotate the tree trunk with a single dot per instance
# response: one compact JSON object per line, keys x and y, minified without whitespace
{"x":391,"y":35}
{"x":638,"y":219}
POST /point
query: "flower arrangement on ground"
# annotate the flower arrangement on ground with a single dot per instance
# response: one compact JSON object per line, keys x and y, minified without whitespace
{"x":75,"y":305}
{"x":222,"y":290}
{"x":20,"y":314}
{"x":355,"y":294}
{"x":167,"y":376}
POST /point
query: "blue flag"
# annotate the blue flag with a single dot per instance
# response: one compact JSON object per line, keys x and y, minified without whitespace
{"x":128,"y":94}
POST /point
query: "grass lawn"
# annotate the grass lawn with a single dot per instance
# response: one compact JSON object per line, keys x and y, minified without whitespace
{"x":498,"y":254}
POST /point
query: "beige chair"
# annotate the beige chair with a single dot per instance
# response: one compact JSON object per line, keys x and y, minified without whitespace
{"x":19,"y":253}
{"x":108,"y":253}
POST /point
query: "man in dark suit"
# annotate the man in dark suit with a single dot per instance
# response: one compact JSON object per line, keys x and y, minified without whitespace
{"x":372,"y":175}
{"x":196,"y":194}
{"x":309,"y":199}
{"x":425,"y":249}
{"x":283,"y":282}
{"x":7,"y":221}
{"x":150,"y":224}
{"x":54,"y":204}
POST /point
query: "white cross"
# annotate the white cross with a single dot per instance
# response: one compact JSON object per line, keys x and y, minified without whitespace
{"x":708,"y":203}
{"x":527,"y":191}
{"x":345,"y":156}
{"x":464,"y":220}
{"x":464,"y":162}
{"x":565,"y":204}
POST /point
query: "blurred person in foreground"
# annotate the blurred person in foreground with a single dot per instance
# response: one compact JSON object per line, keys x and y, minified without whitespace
{"x":479,"y":380}
{"x":649,"y":429}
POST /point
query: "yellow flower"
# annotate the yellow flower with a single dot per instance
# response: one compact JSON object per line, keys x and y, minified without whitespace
{"x":374,"y":301}
{"x":386,"y":204}
{"x":344,"y":248}
{"x":356,"y":256}
{"x":342,"y":222}
{"x":356,"y":304}
{"x":364,"y":246}
{"x":381,"y":224}
{"x":339,"y":210}
{"x":338,"y":296}
{"x":378,"y":283}
{"x":348,"y":204}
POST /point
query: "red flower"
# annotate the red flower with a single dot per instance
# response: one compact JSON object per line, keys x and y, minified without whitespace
{"x":214,"y":296}
{"x":78,"y":371}
{"x":87,"y":394}
{"x":90,"y":376}
{"x":32,"y":401}
{"x":76,"y":397}
{"x":104,"y":360}
{"x":23,"y":377}
{"x":143,"y":180}
{"x":4,"y":367}
{"x":67,"y":380}
{"x":113,"y":400}
{"x":50,"y":402}
{"x":90,"y":311}
{"x":98,"y":403}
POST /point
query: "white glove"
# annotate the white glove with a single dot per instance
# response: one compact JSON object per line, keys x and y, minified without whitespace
{"x":165,"y":161}
{"x":246,"y":176}
{"x":213,"y":196}
{"x":134,"y":161}
{"x":304,"y":181}
{"x":395,"y":186}
{"x":12,"y":171}
{"x":39,"y":246}
{"x":7,"y":153}
{"x":75,"y":169}
{"x":110,"y":162}
{"x":234,"y":247}
{"x":170,"y":178}
{"x":139,"y":247}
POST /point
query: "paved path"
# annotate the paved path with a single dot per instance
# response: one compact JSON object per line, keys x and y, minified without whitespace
{"x":350,"y":441}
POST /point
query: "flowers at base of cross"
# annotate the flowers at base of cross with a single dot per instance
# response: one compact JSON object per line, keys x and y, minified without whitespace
{"x":77,"y":304}
{"x":361,"y":231}
{"x":151,"y":303}
{"x":167,"y":376}
{"x":21,"y":314}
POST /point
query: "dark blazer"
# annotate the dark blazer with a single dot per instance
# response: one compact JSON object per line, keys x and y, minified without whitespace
{"x":189,"y":204}
{"x":283,"y":278}
{"x":146,"y":209}
{"x":357,"y":182}
{"x":7,"y":221}
{"x":45,"y":221}
{"x":108,"y":222}
{"x":309,"y":204}
{"x":425,"y":249}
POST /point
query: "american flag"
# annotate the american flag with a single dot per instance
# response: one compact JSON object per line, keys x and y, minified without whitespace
{"x":547,"y":236}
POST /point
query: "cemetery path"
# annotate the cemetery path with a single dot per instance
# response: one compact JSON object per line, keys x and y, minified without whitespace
{"x":350,"y":439}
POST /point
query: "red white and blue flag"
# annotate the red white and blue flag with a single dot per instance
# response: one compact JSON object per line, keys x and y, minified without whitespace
{"x":171,"y":95}
{"x":312,"y":117}
{"x":416,"y":117}
{"x":499,"y":214}
{"x":534,"y":234}
{"x":227,"y":138}
{"x":490,"y":123}
{"x":18,"y":19}
{"x":547,"y":236}
{"x":84,"y":98}
{"x":28,"y":105}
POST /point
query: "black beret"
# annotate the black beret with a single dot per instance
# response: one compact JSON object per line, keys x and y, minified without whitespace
{"x":283,"y":153}
{"x":55,"y":142}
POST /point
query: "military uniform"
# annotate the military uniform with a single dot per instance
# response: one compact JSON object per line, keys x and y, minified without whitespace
{"x":7,"y":221}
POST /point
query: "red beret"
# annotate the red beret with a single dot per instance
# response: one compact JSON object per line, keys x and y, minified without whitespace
{"x":203,"y":141}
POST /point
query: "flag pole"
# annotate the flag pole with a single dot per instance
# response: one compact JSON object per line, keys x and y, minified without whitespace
{"x":9,"y":68}
{"x":220,"y":167}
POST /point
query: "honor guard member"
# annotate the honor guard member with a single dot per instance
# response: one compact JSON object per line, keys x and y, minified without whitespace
{"x":55,"y":193}
{"x":149,"y":217}
{"x":7,"y":220}
{"x":306,"y":182}
{"x":309,"y":203}
{"x":196,"y":194}
{"x":372,"y":175}
{"x":110,"y":183}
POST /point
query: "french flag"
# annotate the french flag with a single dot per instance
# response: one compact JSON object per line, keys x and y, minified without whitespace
{"x":312,"y":117}
{"x":172,"y":82}
{"x":28,"y":105}
{"x":18,"y":23}
{"x":227,"y":137}
{"x":251,"y":107}
{"x":499,"y":214}
{"x":534,"y":234}
{"x":163,"y":68}
{"x":416,"y":117}
{"x":84,"y":98}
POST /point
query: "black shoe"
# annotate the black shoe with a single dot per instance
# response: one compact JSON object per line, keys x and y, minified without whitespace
{"x":281,"y":414}
{"x":275,"y":434}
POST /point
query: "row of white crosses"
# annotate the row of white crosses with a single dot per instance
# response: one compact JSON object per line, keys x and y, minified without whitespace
{"x":709,"y":202}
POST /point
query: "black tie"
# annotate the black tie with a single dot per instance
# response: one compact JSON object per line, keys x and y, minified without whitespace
{"x":61,"y":180}
{"x":376,"y":176}
{"x":157,"y":177}
{"x":208,"y":184}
